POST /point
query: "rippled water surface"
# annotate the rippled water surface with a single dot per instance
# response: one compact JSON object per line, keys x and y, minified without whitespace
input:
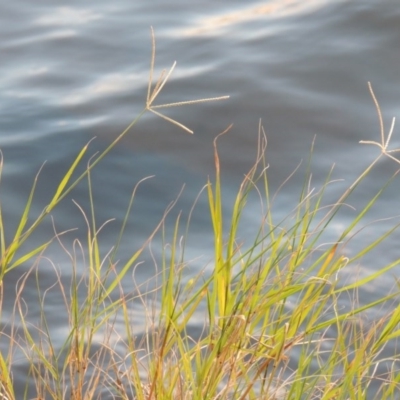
{"x":71,"y":72}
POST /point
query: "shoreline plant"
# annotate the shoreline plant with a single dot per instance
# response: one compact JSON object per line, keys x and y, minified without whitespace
{"x":273,"y":328}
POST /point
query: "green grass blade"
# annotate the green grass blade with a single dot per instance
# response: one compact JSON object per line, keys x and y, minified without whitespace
{"x":28,"y":256}
{"x":7,"y":387}
{"x":65,"y":180}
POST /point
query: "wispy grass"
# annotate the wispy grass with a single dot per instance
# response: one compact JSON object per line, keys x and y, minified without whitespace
{"x":273,"y":327}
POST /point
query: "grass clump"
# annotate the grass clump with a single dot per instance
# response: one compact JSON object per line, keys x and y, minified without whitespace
{"x":273,"y":327}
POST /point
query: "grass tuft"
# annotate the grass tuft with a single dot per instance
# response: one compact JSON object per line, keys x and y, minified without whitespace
{"x":273,"y":326}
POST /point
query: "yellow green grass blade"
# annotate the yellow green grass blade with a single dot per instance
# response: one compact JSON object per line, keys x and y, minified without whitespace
{"x":168,"y":300}
{"x":27,"y":256}
{"x":2,"y":228}
{"x":8,"y":255}
{"x":6,"y":382}
{"x":65,"y":180}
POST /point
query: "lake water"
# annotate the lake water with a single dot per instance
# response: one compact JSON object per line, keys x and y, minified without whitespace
{"x":72,"y":72}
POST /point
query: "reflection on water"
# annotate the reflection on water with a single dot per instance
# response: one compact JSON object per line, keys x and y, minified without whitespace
{"x":274,"y":9}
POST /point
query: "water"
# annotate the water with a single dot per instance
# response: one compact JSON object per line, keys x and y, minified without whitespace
{"x":68,"y":73}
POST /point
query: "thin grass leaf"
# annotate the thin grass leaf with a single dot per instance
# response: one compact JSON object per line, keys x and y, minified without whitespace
{"x":28,"y":256}
{"x":135,"y":256}
{"x":65,"y":180}
{"x":17,"y":241}
{"x":6,"y":381}
{"x":374,"y":244}
{"x":389,"y":331}
{"x":362,"y":282}
{"x":348,"y":315}
{"x":355,"y":221}
{"x":126,"y":218}
{"x":169,"y":275}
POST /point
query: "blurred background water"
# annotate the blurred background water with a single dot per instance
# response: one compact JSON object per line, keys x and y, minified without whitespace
{"x":72,"y":72}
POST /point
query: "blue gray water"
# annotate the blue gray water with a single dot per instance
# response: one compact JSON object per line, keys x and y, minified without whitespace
{"x":69,"y":73}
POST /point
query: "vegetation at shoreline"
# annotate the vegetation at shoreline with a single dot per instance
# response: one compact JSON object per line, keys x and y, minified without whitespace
{"x":273,"y":326}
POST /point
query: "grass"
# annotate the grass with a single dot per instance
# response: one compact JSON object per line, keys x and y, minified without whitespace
{"x":273,"y":325}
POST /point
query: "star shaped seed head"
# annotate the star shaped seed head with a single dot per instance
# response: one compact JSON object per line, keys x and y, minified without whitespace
{"x":162,"y":80}
{"x":384,"y":143}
